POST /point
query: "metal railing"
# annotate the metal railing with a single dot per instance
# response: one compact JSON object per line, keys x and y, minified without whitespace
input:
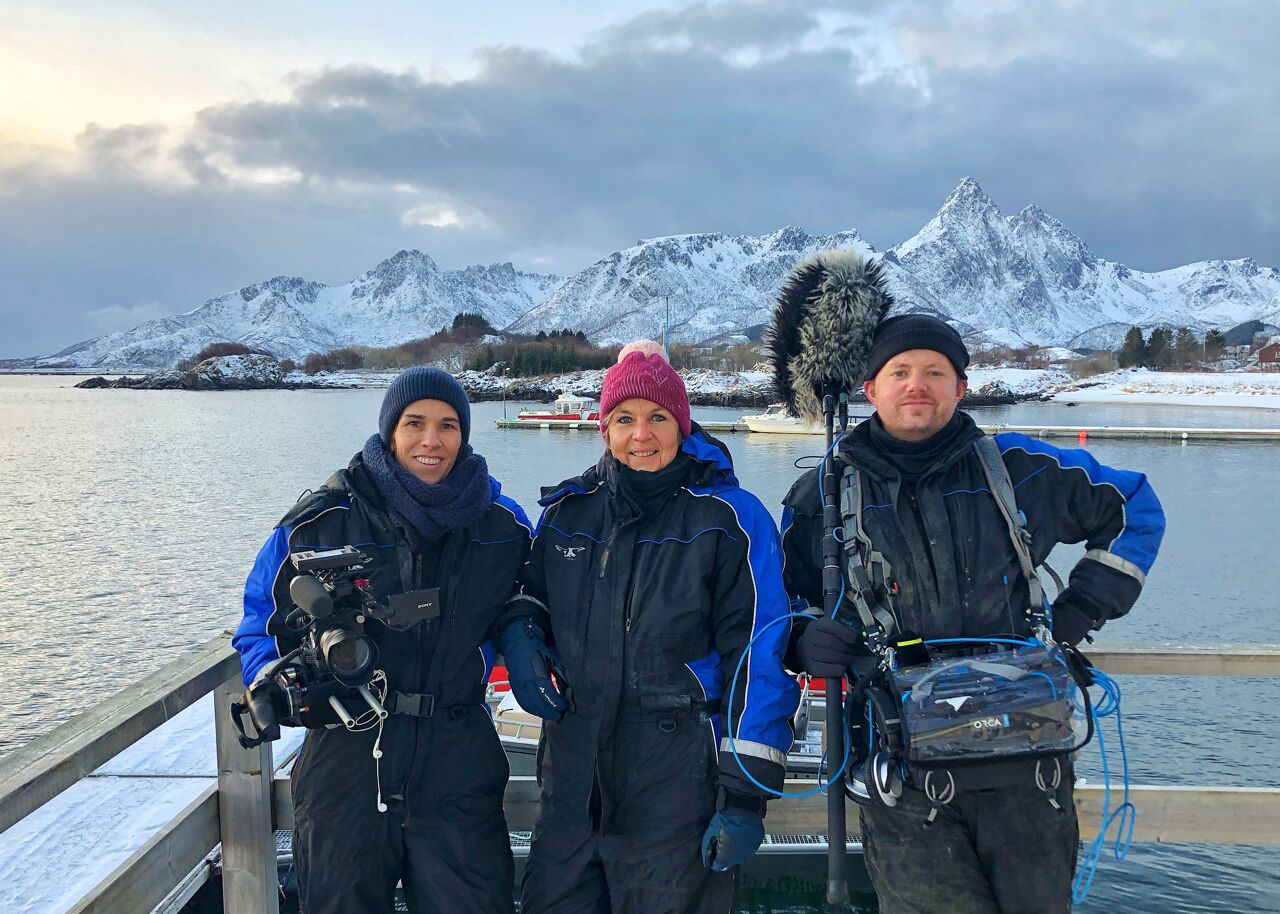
{"x":247,"y":802}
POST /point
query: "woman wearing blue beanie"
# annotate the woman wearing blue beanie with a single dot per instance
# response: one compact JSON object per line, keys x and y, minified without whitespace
{"x":417,"y":797}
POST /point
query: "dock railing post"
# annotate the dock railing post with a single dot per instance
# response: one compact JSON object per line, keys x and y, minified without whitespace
{"x":249,"y":882}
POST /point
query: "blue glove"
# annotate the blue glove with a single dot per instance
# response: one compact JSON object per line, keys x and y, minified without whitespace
{"x":731,"y":838}
{"x":529,"y":666}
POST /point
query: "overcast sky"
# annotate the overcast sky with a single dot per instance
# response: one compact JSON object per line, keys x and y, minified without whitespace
{"x":155,"y":154}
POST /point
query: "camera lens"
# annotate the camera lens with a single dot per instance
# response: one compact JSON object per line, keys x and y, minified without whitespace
{"x":349,"y":654}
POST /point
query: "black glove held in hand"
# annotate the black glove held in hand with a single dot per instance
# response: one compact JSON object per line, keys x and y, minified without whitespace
{"x":1070,"y":623}
{"x":826,"y":647}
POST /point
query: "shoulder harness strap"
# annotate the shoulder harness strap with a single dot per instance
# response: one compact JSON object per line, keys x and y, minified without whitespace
{"x":857,"y":545}
{"x":997,"y":475}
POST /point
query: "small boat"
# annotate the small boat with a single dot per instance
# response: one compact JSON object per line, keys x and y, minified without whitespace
{"x":776,"y":420}
{"x":566,"y":408}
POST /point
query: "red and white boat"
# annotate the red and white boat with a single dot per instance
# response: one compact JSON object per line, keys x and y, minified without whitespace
{"x":566,"y":408}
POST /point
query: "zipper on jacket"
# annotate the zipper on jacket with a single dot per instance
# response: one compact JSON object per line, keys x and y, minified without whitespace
{"x":608,"y":546}
{"x":626,"y":605}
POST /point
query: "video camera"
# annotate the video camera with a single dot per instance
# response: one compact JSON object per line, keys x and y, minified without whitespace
{"x":332,"y":600}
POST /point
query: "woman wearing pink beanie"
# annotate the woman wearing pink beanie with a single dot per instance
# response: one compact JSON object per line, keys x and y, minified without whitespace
{"x":651,"y":572}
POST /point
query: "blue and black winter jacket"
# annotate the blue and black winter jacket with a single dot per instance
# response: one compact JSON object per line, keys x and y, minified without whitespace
{"x":650,"y":614}
{"x":952,"y":561}
{"x":476,"y":574}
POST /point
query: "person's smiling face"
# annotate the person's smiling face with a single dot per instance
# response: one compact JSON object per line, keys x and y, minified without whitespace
{"x":642,"y":435}
{"x":427,"y":439}
{"x":916,"y":393}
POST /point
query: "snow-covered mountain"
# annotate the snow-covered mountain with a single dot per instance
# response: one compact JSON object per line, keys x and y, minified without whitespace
{"x":1028,"y":279}
{"x":404,"y":297}
{"x":715,"y":284}
{"x":1009,"y":280}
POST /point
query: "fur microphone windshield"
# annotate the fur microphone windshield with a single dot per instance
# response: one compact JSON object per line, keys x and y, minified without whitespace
{"x":822,"y":326}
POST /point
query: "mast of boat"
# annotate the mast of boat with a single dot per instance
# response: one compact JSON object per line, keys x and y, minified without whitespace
{"x":666,"y":330}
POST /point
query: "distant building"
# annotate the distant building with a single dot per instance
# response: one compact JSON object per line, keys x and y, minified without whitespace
{"x":1269,"y":357}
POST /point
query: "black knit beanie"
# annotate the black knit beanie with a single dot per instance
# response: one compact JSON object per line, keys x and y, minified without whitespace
{"x":915,"y":331}
{"x":422,"y":383}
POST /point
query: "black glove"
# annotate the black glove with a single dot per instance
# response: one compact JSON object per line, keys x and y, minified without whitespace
{"x":529,"y":666}
{"x":1071,"y":622}
{"x":826,"y":647}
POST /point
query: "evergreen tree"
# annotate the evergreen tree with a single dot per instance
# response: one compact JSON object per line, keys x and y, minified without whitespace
{"x":1186,"y":349}
{"x":1133,"y":352}
{"x":1160,"y":349}
{"x":1215,"y":344}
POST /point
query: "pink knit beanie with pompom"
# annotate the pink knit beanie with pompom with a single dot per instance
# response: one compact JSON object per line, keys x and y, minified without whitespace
{"x":642,"y":371}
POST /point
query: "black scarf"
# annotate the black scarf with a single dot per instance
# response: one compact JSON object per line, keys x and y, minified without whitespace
{"x":648,"y":491}
{"x":913,"y":458}
{"x":426,"y":512}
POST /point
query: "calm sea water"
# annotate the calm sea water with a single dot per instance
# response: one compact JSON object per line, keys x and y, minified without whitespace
{"x":130,"y":518}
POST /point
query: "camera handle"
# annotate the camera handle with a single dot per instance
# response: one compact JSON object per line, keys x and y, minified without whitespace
{"x":269,"y":734}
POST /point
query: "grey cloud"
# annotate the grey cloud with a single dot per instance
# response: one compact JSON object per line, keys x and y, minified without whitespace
{"x":720,"y":27}
{"x":1142,"y":126}
{"x":130,"y":147}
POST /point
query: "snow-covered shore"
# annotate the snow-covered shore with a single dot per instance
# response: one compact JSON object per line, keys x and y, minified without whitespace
{"x":1137,"y":386}
{"x":1142,"y":386}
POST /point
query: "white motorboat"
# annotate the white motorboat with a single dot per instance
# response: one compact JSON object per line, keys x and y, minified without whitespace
{"x":777,"y":421}
{"x":566,"y":408}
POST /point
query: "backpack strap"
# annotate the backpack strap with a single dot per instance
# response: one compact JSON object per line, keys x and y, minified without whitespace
{"x":860,"y":558}
{"x":997,"y":475}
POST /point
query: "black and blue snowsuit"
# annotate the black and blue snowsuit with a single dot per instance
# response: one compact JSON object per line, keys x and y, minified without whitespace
{"x":650,"y":615}
{"x":955,"y":574}
{"x":443,"y":772}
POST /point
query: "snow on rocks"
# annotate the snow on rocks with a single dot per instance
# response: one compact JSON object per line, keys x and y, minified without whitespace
{"x":705,"y":387}
{"x":228,"y":372}
{"x":235,"y":372}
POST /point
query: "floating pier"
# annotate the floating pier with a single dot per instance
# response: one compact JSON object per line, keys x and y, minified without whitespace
{"x":1034,"y":431}
{"x":594,"y":426}
{"x":1138,"y":432}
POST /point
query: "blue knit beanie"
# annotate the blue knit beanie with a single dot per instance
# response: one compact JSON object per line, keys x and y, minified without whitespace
{"x":422,"y":383}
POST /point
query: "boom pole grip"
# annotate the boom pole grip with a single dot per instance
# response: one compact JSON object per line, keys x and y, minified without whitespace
{"x":837,"y":883}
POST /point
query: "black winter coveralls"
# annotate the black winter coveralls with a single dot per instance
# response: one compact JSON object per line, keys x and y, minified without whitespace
{"x":957,"y":576}
{"x":650,"y":617}
{"x":442,"y":772}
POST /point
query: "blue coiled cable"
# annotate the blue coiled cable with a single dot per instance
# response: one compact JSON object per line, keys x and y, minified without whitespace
{"x":728,"y":714}
{"x":1108,"y":705}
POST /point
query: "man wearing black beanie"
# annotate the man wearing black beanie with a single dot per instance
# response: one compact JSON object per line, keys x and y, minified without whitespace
{"x":922,"y":514}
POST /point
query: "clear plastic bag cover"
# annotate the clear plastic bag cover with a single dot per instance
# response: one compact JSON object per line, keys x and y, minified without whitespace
{"x":994,"y":706}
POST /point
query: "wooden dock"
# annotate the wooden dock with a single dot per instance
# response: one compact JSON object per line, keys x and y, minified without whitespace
{"x":248,"y":798}
{"x":1074,"y":432}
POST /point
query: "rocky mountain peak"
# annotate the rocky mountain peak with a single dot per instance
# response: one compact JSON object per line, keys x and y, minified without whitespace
{"x":968,"y":197}
{"x":277,"y":285}
{"x":1048,"y":232}
{"x":403,"y":262}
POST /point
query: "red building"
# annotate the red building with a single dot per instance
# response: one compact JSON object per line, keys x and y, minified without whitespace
{"x":1269,"y":357}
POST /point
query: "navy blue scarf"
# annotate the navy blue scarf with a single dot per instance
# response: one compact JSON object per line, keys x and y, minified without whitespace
{"x":425,"y":512}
